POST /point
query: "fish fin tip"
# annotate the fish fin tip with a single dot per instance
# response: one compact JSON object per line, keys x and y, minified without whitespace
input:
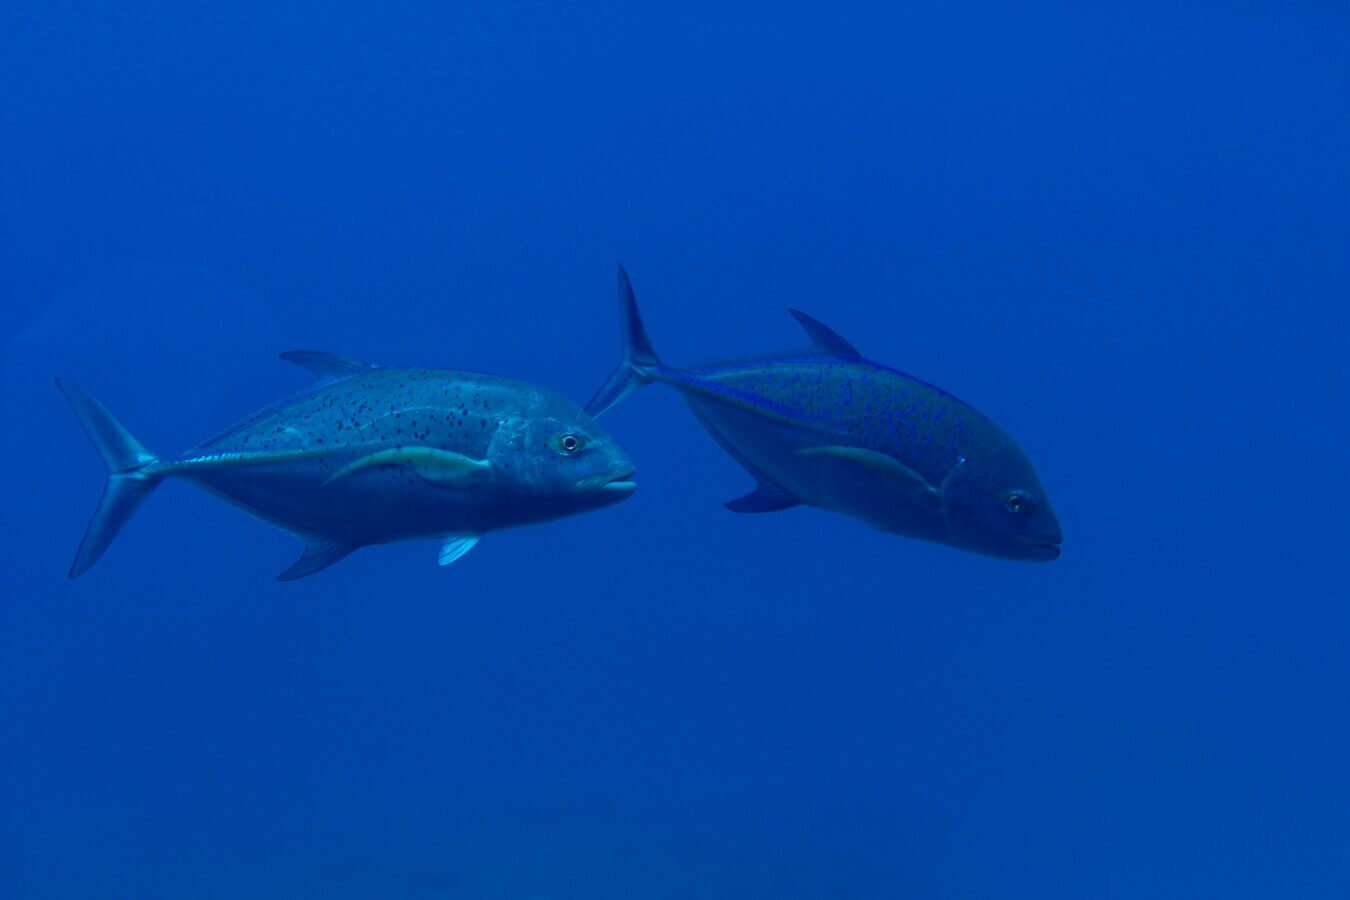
{"x":326,"y":366}
{"x":638,"y":354}
{"x":764,"y":498}
{"x":319,"y":554}
{"x":825,"y":338}
{"x":453,"y":546}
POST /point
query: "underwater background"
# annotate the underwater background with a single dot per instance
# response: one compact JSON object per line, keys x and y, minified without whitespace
{"x":1119,"y":230}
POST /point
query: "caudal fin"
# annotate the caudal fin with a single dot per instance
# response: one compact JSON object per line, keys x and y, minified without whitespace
{"x":128,"y":481}
{"x":638,"y":355}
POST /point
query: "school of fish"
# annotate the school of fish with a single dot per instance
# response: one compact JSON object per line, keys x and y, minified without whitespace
{"x":370,"y":455}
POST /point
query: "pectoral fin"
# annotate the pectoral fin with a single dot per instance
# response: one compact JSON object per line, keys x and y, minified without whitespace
{"x":320,"y":553}
{"x":455,"y":546}
{"x":874,"y":465}
{"x":438,"y":466}
{"x":764,"y":498}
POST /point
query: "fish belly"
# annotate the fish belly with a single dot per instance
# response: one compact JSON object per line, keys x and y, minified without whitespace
{"x":780,"y":454}
{"x":372,"y":508}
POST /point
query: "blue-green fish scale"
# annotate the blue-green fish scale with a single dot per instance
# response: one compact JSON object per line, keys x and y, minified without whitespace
{"x":857,"y":404}
{"x":277,"y":463}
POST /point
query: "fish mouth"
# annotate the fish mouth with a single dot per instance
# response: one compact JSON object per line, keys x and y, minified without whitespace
{"x":1042,"y":552}
{"x":619,"y":483}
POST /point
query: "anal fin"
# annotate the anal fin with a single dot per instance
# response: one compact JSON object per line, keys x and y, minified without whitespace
{"x":320,"y":553}
{"x":764,"y":498}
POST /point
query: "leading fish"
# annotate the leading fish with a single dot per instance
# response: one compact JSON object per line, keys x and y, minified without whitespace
{"x":369,"y":455}
{"x":834,"y":430}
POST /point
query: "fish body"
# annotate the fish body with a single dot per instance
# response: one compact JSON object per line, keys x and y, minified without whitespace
{"x":370,"y":455}
{"x":837,"y":431}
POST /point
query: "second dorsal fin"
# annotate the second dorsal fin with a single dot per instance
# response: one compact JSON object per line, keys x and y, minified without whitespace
{"x":326,"y":366}
{"x":825,"y":338}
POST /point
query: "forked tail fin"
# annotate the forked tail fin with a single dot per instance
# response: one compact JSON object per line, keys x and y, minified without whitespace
{"x":638,"y":355}
{"x":128,"y":481}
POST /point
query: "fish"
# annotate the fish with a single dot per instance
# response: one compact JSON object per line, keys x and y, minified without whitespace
{"x":371,"y":455}
{"x":834,"y":430}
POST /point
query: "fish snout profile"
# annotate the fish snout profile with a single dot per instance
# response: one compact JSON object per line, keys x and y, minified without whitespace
{"x":618,"y":482}
{"x":1040,"y":542}
{"x":1043,"y":535}
{"x":575,"y":464}
{"x":1001,"y":510}
{"x":1043,"y":551}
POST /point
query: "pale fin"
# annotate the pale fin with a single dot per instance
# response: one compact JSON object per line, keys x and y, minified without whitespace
{"x":320,"y":553}
{"x":763,"y":499}
{"x":894,"y":471}
{"x":439,"y":466}
{"x":455,"y":546}
{"x":131,"y":476}
{"x":826,"y":339}
{"x":326,"y":366}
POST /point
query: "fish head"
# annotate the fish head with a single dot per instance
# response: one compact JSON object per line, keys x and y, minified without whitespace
{"x":994,"y":504}
{"x":564,"y":463}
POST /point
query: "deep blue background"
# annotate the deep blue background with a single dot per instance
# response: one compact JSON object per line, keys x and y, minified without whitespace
{"x":1121,"y":233}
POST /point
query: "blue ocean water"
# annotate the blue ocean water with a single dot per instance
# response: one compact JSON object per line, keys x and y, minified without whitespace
{"x":1121,"y":232}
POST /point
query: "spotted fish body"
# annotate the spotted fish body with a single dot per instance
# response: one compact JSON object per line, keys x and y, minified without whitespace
{"x":834,"y":430}
{"x":370,"y":455}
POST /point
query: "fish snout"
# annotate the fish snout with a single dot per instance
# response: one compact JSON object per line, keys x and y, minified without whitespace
{"x":1043,"y":552}
{"x":1047,"y":546}
{"x":619,"y":483}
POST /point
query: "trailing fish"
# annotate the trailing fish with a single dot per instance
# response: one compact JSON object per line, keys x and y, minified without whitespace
{"x":832,"y":429}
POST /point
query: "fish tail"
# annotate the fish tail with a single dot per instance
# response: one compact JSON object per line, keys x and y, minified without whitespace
{"x":639,"y":359}
{"x":130,"y":478}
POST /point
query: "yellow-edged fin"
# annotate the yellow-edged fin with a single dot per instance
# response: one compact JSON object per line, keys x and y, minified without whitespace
{"x":890,"y":468}
{"x":440,"y":466}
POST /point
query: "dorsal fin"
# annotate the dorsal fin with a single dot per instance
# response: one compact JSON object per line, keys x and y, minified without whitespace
{"x":326,"y":366}
{"x":825,"y":338}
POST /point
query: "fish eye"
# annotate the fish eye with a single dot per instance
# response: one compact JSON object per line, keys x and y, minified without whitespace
{"x":1017,"y":502}
{"x":568,"y":443}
